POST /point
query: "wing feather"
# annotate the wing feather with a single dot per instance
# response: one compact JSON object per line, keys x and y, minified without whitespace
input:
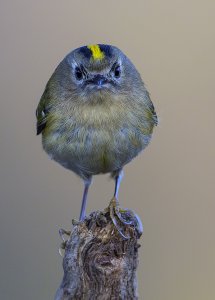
{"x":42,"y":112}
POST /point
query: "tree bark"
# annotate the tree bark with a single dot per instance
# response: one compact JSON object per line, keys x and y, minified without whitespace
{"x":99,"y":263}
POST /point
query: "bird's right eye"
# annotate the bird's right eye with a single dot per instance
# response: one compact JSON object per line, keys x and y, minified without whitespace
{"x":78,"y":74}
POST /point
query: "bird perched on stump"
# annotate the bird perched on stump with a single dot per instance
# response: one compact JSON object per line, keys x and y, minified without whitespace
{"x":95,"y":116}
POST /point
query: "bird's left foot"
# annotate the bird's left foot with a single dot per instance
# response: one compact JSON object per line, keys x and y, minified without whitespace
{"x":122,"y":218}
{"x":62,"y":233}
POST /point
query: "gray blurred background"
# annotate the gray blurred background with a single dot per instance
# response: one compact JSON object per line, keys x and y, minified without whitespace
{"x":170,"y":185}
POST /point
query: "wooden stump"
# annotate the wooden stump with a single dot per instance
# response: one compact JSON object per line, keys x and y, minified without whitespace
{"x":99,"y":263}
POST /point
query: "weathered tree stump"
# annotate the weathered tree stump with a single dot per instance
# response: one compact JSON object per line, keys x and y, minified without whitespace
{"x":99,"y":263}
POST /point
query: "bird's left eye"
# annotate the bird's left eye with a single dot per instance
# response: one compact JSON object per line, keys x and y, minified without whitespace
{"x":117,"y":71}
{"x":78,"y":74}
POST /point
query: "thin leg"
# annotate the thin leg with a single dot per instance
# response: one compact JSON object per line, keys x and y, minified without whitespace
{"x":118,"y":179}
{"x":84,"y":199}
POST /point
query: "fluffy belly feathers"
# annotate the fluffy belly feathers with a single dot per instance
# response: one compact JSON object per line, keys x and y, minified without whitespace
{"x":90,"y":151}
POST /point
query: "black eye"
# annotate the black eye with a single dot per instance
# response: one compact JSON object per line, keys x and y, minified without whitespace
{"x":78,"y":74}
{"x":117,"y":71}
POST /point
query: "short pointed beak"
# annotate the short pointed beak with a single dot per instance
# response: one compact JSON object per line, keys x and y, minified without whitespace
{"x":98,"y":80}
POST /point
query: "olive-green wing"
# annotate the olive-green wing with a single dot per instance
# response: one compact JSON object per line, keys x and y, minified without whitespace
{"x":152,"y":109}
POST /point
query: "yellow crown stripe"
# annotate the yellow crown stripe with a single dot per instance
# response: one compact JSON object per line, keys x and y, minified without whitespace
{"x":96,"y":51}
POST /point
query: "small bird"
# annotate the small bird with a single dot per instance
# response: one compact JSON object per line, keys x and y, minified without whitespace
{"x":95,"y":115}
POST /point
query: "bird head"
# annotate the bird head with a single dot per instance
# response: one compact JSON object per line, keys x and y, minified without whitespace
{"x":97,"y":72}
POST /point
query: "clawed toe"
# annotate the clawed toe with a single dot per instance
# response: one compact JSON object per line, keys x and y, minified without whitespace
{"x":116,"y":221}
{"x":122,"y":218}
{"x":75,"y":222}
{"x":62,"y":233}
